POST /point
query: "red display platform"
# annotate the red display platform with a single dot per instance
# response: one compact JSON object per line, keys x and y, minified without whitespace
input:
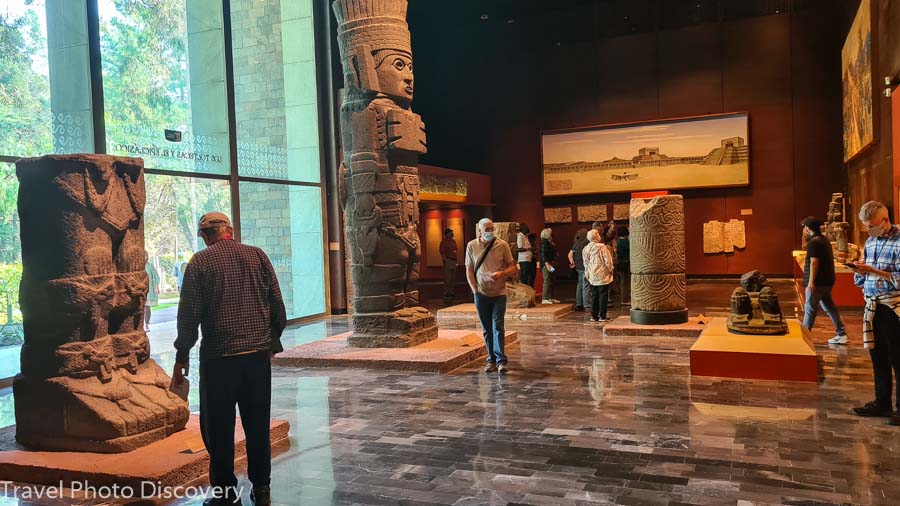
{"x":790,"y":357}
{"x":845,"y":293}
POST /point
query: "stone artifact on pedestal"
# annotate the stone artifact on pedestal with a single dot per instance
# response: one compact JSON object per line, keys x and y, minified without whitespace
{"x":658,"y":283}
{"x":518,"y":295}
{"x":87,"y":382}
{"x":837,"y":230}
{"x":755,"y":308}
{"x":382,"y":141}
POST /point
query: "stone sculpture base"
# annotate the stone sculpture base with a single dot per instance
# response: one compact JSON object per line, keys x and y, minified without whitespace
{"x":176,"y":460}
{"x":467,"y":313}
{"x":790,"y":357}
{"x":623,"y":327}
{"x":639,"y":317}
{"x":88,"y":415}
{"x":400,"y":329}
{"x":451,"y":350}
{"x":739,"y":325}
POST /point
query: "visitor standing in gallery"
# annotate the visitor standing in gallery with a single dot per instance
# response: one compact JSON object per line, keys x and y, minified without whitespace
{"x":526,"y":254}
{"x":623,"y":266}
{"x":489,"y":262}
{"x":532,"y":274}
{"x":548,"y":267}
{"x":230,"y":291}
{"x":819,"y":279}
{"x":576,"y":262}
{"x":449,"y":256}
{"x":610,"y":238}
{"x":879,"y":277}
{"x":598,"y":267}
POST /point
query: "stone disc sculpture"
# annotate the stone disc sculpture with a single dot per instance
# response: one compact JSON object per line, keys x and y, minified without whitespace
{"x":382,"y":141}
{"x":518,"y":295}
{"x":87,"y":381}
{"x":658,"y":283}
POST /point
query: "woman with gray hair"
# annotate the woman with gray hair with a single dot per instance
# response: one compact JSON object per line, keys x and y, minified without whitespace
{"x":598,"y":268}
{"x":548,"y":268}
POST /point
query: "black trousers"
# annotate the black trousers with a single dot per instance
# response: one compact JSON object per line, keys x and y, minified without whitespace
{"x":599,"y":301}
{"x":886,"y":355}
{"x":244,"y":381}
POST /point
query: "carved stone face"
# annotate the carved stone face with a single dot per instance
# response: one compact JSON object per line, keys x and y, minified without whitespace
{"x":395,"y":75}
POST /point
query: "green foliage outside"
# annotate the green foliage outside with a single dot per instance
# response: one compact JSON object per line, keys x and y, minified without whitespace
{"x":146,"y":89}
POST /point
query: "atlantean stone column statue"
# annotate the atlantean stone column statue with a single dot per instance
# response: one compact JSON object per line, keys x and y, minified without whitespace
{"x":658,"y":283}
{"x":382,"y":141}
{"x":87,"y":381}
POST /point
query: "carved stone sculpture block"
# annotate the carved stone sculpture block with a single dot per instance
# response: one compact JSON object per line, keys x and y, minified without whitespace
{"x":658,"y":283}
{"x":518,"y":295}
{"x":87,"y":381}
{"x":755,"y":308}
{"x":382,"y":141}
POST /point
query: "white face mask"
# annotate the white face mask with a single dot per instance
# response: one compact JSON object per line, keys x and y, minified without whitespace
{"x":487,"y":236}
{"x":876,"y":230}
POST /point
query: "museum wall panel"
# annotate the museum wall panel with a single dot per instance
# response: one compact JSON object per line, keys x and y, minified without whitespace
{"x":871,"y":173}
{"x":790,"y":87}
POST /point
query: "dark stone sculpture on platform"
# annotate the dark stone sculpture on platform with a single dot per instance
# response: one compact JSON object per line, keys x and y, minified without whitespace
{"x":382,"y":141}
{"x":755,"y":308}
{"x":658,"y":283}
{"x":518,"y":295}
{"x":87,"y":381}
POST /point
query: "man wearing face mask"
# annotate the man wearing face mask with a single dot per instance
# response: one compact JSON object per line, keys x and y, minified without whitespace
{"x":489,"y":263}
{"x":879,"y":278}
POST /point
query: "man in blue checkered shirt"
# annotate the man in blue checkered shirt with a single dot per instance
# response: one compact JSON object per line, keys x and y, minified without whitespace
{"x":879,"y":277}
{"x":230,"y":291}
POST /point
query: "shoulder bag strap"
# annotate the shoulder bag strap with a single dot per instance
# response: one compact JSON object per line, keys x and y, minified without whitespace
{"x":484,"y":254}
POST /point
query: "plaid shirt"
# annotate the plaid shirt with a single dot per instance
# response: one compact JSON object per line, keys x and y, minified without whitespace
{"x":231,"y":292}
{"x":882,"y":253}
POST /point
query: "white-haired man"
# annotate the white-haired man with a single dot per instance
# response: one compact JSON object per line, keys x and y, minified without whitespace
{"x":879,"y":277}
{"x":489,"y":263}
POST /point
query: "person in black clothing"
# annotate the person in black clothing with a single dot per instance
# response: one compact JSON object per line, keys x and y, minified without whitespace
{"x":532,"y":272}
{"x":231,"y":292}
{"x":819,"y":279}
{"x":576,"y":262}
{"x":548,"y":268}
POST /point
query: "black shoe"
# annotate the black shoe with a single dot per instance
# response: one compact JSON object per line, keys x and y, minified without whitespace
{"x":261,"y":496}
{"x":579,"y":308}
{"x":872,"y":409}
{"x":895,"y":418}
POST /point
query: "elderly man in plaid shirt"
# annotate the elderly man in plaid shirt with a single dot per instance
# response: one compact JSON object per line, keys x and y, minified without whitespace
{"x":230,"y":291}
{"x":879,"y":277}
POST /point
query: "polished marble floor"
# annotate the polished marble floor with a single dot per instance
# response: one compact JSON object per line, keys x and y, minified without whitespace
{"x":583,"y":419}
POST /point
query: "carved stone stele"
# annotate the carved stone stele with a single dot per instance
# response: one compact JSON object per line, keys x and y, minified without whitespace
{"x":518,"y":295}
{"x":382,"y":141}
{"x":658,"y":283}
{"x":87,"y":381}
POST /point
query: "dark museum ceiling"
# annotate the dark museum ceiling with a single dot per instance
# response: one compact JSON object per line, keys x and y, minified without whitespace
{"x":558,"y":22}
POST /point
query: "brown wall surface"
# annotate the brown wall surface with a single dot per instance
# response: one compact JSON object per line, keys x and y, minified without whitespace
{"x":871,"y":173}
{"x":486,"y":96}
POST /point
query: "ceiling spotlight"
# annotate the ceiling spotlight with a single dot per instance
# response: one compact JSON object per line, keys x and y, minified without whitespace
{"x":484,"y":17}
{"x":510,"y":21}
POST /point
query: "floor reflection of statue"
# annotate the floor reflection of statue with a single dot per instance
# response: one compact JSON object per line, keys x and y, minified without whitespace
{"x":755,"y":308}
{"x":382,"y":140}
{"x":87,"y":381}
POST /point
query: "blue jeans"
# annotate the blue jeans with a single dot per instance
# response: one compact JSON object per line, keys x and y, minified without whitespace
{"x":579,"y":288}
{"x":821,"y":296}
{"x":491,"y":312}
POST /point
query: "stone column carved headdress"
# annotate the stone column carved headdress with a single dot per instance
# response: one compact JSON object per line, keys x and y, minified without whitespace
{"x":365,"y":29}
